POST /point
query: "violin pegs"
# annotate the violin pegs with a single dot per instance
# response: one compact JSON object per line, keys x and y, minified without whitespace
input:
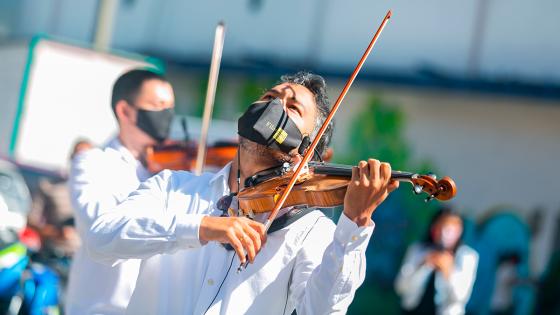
{"x":432,"y":175}
{"x":417,"y":189}
{"x":430,"y":197}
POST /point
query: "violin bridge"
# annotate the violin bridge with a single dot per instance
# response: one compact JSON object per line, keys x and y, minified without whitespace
{"x":233,"y":209}
{"x":249,"y":213}
{"x":304,"y":170}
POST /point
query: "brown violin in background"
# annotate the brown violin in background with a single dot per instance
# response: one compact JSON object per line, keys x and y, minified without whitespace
{"x":182,"y":155}
{"x":324,"y":185}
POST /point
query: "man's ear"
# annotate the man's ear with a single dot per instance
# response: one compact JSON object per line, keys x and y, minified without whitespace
{"x":296,"y":159}
{"x":328,"y":154}
{"x":124,"y":113}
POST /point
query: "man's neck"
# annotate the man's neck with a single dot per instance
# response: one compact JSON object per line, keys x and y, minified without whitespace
{"x":135,"y":149}
{"x":250,"y":165}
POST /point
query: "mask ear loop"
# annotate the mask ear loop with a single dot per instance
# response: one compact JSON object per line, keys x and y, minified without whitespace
{"x":305,"y":142}
{"x":318,"y":155}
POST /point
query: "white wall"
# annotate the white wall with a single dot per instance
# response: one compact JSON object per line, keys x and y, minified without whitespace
{"x":520,"y":38}
{"x":68,"y":97}
{"x":14,"y":57}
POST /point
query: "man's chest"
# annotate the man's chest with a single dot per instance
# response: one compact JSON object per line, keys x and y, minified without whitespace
{"x":120,"y":177}
{"x":206,"y":280}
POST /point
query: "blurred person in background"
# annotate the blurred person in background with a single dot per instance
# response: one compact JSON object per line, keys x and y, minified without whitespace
{"x":438,"y":274}
{"x":14,"y":189}
{"x":15,"y":203}
{"x":13,"y":256}
{"x":26,"y":287}
{"x":51,"y":216}
{"x":80,"y":146}
{"x":507,"y":279}
{"x":100,"y":178}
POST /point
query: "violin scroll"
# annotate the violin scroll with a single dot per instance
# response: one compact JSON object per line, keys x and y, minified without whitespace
{"x":443,"y":189}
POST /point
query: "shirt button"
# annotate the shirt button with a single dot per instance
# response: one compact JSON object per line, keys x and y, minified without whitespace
{"x":210,"y":282}
{"x":354,"y":238}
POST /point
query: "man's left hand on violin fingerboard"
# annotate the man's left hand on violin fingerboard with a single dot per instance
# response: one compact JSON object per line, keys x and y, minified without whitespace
{"x":371,"y":183}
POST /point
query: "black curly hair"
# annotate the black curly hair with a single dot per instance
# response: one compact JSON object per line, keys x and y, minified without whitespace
{"x":316,"y":84}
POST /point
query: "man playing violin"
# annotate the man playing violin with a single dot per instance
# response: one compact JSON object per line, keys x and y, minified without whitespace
{"x":100,"y":178}
{"x":190,"y":248}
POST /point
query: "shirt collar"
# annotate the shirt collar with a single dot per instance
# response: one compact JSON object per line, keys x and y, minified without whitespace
{"x":219,"y":183}
{"x":223,"y":174}
{"x":117,"y":145}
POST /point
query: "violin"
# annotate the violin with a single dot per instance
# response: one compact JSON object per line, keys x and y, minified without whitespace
{"x":182,"y":155}
{"x":324,"y":185}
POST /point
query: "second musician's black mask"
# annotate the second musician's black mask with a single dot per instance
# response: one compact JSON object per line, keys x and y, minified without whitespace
{"x":267,"y":123}
{"x":156,"y":124}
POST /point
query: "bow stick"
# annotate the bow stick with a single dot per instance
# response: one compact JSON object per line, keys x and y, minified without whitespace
{"x":210,"y":95}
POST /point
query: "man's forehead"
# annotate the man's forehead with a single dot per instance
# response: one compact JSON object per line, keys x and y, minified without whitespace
{"x":298,"y":91}
{"x":155,"y":93}
{"x":291,"y":86}
{"x":158,"y":88}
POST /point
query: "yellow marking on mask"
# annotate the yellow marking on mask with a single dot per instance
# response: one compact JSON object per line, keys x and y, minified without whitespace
{"x":280,"y":135}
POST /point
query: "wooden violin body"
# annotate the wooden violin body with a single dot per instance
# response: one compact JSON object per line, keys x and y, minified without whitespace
{"x":324,"y":185}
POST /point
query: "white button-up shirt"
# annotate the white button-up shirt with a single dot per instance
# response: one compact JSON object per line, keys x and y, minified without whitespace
{"x":452,"y":294}
{"x":312,"y":265}
{"x":99,"y":180}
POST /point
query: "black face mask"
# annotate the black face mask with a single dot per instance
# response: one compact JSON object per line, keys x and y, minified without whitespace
{"x":156,"y":124}
{"x":268,"y":124}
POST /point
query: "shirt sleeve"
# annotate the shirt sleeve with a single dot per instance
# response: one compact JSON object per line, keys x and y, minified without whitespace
{"x":461,"y":280}
{"x":143,"y":226}
{"x":327,"y":273}
{"x":90,"y":189}
{"x":413,"y":276}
